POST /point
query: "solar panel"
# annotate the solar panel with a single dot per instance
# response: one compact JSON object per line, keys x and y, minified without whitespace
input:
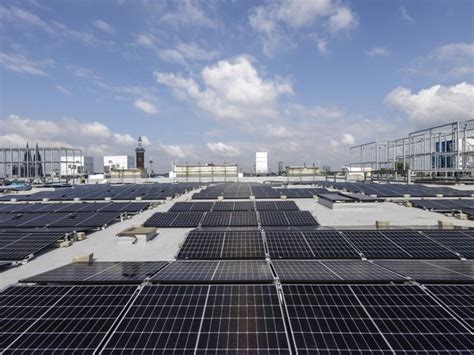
{"x":245,"y":244}
{"x":243,"y":319}
{"x":61,"y":319}
{"x":300,"y":218}
{"x":292,"y":271}
{"x":458,"y":298}
{"x":187,"y":220}
{"x":181,"y":207}
{"x":457,"y":241}
{"x":243,"y":219}
{"x":174,"y":219}
{"x":418,"y":245}
{"x":326,"y":319}
{"x":187,"y":271}
{"x":202,"y":245}
{"x":236,"y":271}
{"x":432,"y":270}
{"x":198,"y":318}
{"x":276,"y":206}
{"x":99,"y":272}
{"x":20,"y":246}
{"x":287,"y":218}
{"x":374,"y":244}
{"x":412,"y":321}
{"x":287,"y":245}
{"x":217,"y":219}
{"x":273,"y":218}
{"x":371,"y":318}
{"x":328,"y":244}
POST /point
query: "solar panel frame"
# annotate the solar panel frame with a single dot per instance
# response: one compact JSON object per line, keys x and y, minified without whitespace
{"x":287,"y":245}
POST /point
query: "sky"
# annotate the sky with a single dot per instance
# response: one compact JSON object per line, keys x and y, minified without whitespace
{"x":216,"y":81}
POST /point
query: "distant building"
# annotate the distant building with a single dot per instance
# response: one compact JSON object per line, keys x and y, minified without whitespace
{"x":302,"y":170}
{"x":140,"y":155}
{"x":281,"y":168}
{"x":118,"y":162}
{"x":80,"y":165}
{"x":204,"y":170}
{"x":261,"y":163}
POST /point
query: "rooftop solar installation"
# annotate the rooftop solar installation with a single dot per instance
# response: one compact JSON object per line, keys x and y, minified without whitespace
{"x":458,"y":299}
{"x":374,"y":244}
{"x":230,"y":219}
{"x":174,"y":219}
{"x":418,"y":245}
{"x":202,"y":318}
{"x":287,"y":245}
{"x":60,"y":319}
{"x":222,"y":244}
{"x":17,"y":246}
{"x":332,"y":271}
{"x":100,"y":272}
{"x":222,"y":271}
{"x":432,"y":270}
{"x":371,"y":318}
{"x":456,"y":240}
{"x":287,"y":218}
{"x":328,"y":244}
{"x":276,"y":206}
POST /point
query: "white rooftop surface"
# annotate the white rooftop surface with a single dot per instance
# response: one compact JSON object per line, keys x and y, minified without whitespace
{"x":166,"y":245}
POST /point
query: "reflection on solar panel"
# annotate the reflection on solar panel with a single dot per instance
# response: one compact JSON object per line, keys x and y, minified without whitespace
{"x":332,"y":271}
{"x":60,"y":319}
{"x":18,"y":246}
{"x":237,"y":271}
{"x":287,"y":245}
{"x":458,"y":298}
{"x":202,"y":318}
{"x":374,"y":244}
{"x":174,"y":219}
{"x":235,"y":244}
{"x":330,"y":319}
{"x":366,"y":318}
{"x":432,"y":270}
{"x":457,"y":241}
{"x":327,"y":244}
{"x":411,"y":320}
{"x":100,"y":272}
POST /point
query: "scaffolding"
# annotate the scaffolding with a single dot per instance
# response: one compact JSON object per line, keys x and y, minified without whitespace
{"x":446,"y":150}
{"x":45,"y":163}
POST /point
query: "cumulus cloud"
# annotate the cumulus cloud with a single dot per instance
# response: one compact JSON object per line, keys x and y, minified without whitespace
{"x":223,"y":149}
{"x":347,"y":139}
{"x":175,"y":151}
{"x":145,"y":40}
{"x":378,"y":52}
{"x":146,"y":106}
{"x":20,"y":64}
{"x":104,"y":26}
{"x":232,"y":89}
{"x":275,"y":20}
{"x":435,"y":105}
{"x":93,"y":137}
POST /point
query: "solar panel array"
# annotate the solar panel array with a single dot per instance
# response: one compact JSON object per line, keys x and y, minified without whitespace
{"x":128,"y":207}
{"x":395,"y":190}
{"x":17,"y":246}
{"x":446,"y":205}
{"x":115,"y":192}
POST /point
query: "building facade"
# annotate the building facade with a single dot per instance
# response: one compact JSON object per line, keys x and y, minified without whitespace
{"x":118,"y":162}
{"x":261,"y":163}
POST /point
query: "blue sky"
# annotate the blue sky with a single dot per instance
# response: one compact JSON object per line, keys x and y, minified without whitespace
{"x":219,"y":80}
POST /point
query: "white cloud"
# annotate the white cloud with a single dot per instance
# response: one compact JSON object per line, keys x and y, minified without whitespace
{"x":64,"y":90}
{"x":435,"y":105}
{"x":223,"y":149}
{"x":315,"y":112}
{"x":146,"y":106}
{"x":145,"y":40}
{"x":233,"y":89}
{"x":104,"y":26}
{"x":450,"y":61}
{"x":188,"y":13}
{"x":378,"y":52}
{"x":405,"y":15}
{"x":20,"y":64}
{"x":175,"y":151}
{"x":277,"y":20}
{"x":18,"y":16}
{"x":94,"y":137}
{"x":347,"y":139}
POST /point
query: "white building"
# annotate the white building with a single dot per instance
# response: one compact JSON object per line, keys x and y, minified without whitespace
{"x":261,"y":163}
{"x":118,"y":162}
{"x":80,"y":165}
